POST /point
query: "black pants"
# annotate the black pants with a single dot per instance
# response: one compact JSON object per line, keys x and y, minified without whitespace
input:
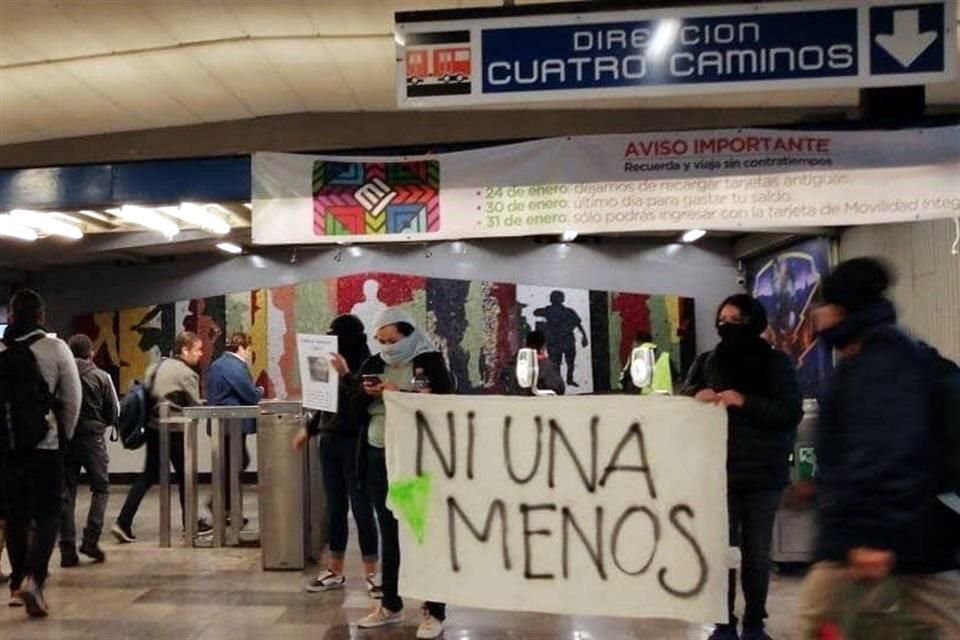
{"x":378,"y":486}
{"x":338,"y":459}
{"x":87,"y":451}
{"x":751,"y":528}
{"x":151,"y":475}
{"x":34,"y":490}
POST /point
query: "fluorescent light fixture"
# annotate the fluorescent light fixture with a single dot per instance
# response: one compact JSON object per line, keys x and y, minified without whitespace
{"x":569,"y":236}
{"x":96,"y":215}
{"x":45,"y":223}
{"x":693,"y":235}
{"x":663,"y":37}
{"x":248,"y":205}
{"x":229,"y":247}
{"x":355,"y":252}
{"x":458,"y":247}
{"x":199,"y":215}
{"x":399,"y":39}
{"x":10,"y":229}
{"x":67,"y":218}
{"x":148,"y":218}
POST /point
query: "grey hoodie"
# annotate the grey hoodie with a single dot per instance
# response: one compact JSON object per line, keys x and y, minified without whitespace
{"x":100,"y":407}
{"x":59,"y":369}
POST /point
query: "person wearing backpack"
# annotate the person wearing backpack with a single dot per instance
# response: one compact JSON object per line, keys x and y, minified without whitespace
{"x":882,"y":529}
{"x":88,"y":450}
{"x":174,"y":380}
{"x":39,"y":405}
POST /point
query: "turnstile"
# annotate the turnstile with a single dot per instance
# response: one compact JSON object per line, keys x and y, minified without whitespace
{"x":283,"y":479}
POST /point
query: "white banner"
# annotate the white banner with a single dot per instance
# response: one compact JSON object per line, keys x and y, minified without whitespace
{"x":579,"y":506}
{"x":724,"y":179}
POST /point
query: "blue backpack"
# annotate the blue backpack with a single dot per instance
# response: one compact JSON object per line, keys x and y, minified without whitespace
{"x":135,"y":410}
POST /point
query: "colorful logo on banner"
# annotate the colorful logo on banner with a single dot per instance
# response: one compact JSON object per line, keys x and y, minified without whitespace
{"x":376,"y":198}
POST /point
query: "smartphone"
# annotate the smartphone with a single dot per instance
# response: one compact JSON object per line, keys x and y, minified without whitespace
{"x":370,"y":378}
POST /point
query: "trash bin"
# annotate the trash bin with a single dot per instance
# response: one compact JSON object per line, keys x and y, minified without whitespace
{"x":283,"y":481}
{"x":795,"y":529}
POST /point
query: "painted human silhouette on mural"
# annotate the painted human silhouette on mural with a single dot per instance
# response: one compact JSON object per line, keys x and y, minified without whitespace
{"x":559,"y":326}
{"x":368,"y":310}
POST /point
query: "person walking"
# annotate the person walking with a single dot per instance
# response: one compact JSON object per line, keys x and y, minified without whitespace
{"x":88,"y":450}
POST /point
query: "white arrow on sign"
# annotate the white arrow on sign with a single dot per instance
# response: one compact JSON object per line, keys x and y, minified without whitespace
{"x":906,"y":43}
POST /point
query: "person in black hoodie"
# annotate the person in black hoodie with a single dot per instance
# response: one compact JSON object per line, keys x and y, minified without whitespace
{"x":88,"y":449}
{"x":339,"y":435}
{"x":407,"y":361}
{"x":758,"y":386}
{"x":877,"y":509}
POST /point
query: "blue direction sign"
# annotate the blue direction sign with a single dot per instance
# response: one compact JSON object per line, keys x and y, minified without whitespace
{"x":843,"y":43}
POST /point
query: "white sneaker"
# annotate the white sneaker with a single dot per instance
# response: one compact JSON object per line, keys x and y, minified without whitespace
{"x":380,"y":617}
{"x":430,"y":627}
{"x":374,"y":586}
{"x":327,"y":581}
{"x":15,"y":599}
{"x":33,"y":600}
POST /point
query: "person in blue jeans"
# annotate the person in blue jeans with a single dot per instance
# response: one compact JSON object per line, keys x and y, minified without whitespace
{"x":339,"y":434}
{"x":407,"y":361}
{"x":758,"y":387}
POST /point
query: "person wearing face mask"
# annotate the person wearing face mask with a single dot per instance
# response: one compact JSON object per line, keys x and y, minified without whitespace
{"x":339,"y":435}
{"x":758,"y":387}
{"x":878,"y":514}
{"x":230,"y":384}
{"x":407,"y":361}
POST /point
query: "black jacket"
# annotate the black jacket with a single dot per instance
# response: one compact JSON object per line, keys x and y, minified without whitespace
{"x":877,"y":455}
{"x":760,"y":436}
{"x":351,"y":412}
{"x":434,"y":368}
{"x":99,"y":408}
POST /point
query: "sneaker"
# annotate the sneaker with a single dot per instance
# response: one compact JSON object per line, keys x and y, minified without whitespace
{"x":380,"y":617}
{"x":204,"y":528}
{"x":755,"y":634}
{"x":724,"y":632}
{"x":328,"y":581}
{"x":93,"y":550}
{"x":69,"y":558}
{"x":4,"y":578}
{"x":15,"y":599}
{"x":122,"y":533}
{"x":32,"y":596}
{"x":430,"y":627}
{"x":374,"y":588}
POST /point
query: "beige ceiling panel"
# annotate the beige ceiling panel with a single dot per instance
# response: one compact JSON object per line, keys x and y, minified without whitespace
{"x":178,"y":73}
{"x":15,"y":51}
{"x":143,"y":101}
{"x":20,"y":103}
{"x":247,"y":73}
{"x":279,"y":18}
{"x":196,"y":20}
{"x":119,"y":26}
{"x":311,"y":71}
{"x":41,"y":25}
{"x":78,"y":102}
{"x":368,"y":66}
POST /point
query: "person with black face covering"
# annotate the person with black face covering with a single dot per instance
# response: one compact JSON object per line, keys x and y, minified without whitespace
{"x":879,"y":519}
{"x":339,"y":436}
{"x":758,"y":387}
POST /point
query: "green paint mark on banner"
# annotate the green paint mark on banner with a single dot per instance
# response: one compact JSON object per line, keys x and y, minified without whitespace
{"x":411,"y":500}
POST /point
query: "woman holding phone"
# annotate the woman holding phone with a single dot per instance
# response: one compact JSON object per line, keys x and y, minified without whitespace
{"x":407,"y":361}
{"x":339,"y":435}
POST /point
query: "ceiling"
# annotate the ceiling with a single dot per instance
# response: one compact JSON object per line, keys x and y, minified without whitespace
{"x":86,"y":67}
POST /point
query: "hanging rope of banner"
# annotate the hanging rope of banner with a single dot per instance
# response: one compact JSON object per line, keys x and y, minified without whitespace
{"x":955,"y":250}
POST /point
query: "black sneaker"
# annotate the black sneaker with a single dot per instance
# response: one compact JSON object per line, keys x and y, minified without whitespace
{"x":122,"y":533}
{"x":204,"y":527}
{"x":93,"y":550}
{"x":69,"y":558}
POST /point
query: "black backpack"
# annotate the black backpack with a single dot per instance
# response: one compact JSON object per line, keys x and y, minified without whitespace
{"x":135,"y":412}
{"x":25,"y":398}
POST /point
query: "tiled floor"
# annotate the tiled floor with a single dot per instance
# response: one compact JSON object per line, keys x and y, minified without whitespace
{"x":145,"y":593}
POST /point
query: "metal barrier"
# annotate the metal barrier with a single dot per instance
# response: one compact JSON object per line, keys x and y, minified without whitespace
{"x":283,"y":487}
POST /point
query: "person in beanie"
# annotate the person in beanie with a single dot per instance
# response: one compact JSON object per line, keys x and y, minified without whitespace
{"x":88,"y":450}
{"x":878,"y":515}
{"x":758,"y":387}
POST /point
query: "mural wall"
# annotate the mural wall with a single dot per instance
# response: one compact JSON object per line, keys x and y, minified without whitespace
{"x":478,"y":325}
{"x":787,"y":283}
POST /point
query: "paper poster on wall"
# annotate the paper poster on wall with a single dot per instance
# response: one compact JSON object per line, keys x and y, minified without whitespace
{"x":611,"y":505}
{"x":563,"y":315}
{"x":318,"y":378}
{"x":665,"y":181}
